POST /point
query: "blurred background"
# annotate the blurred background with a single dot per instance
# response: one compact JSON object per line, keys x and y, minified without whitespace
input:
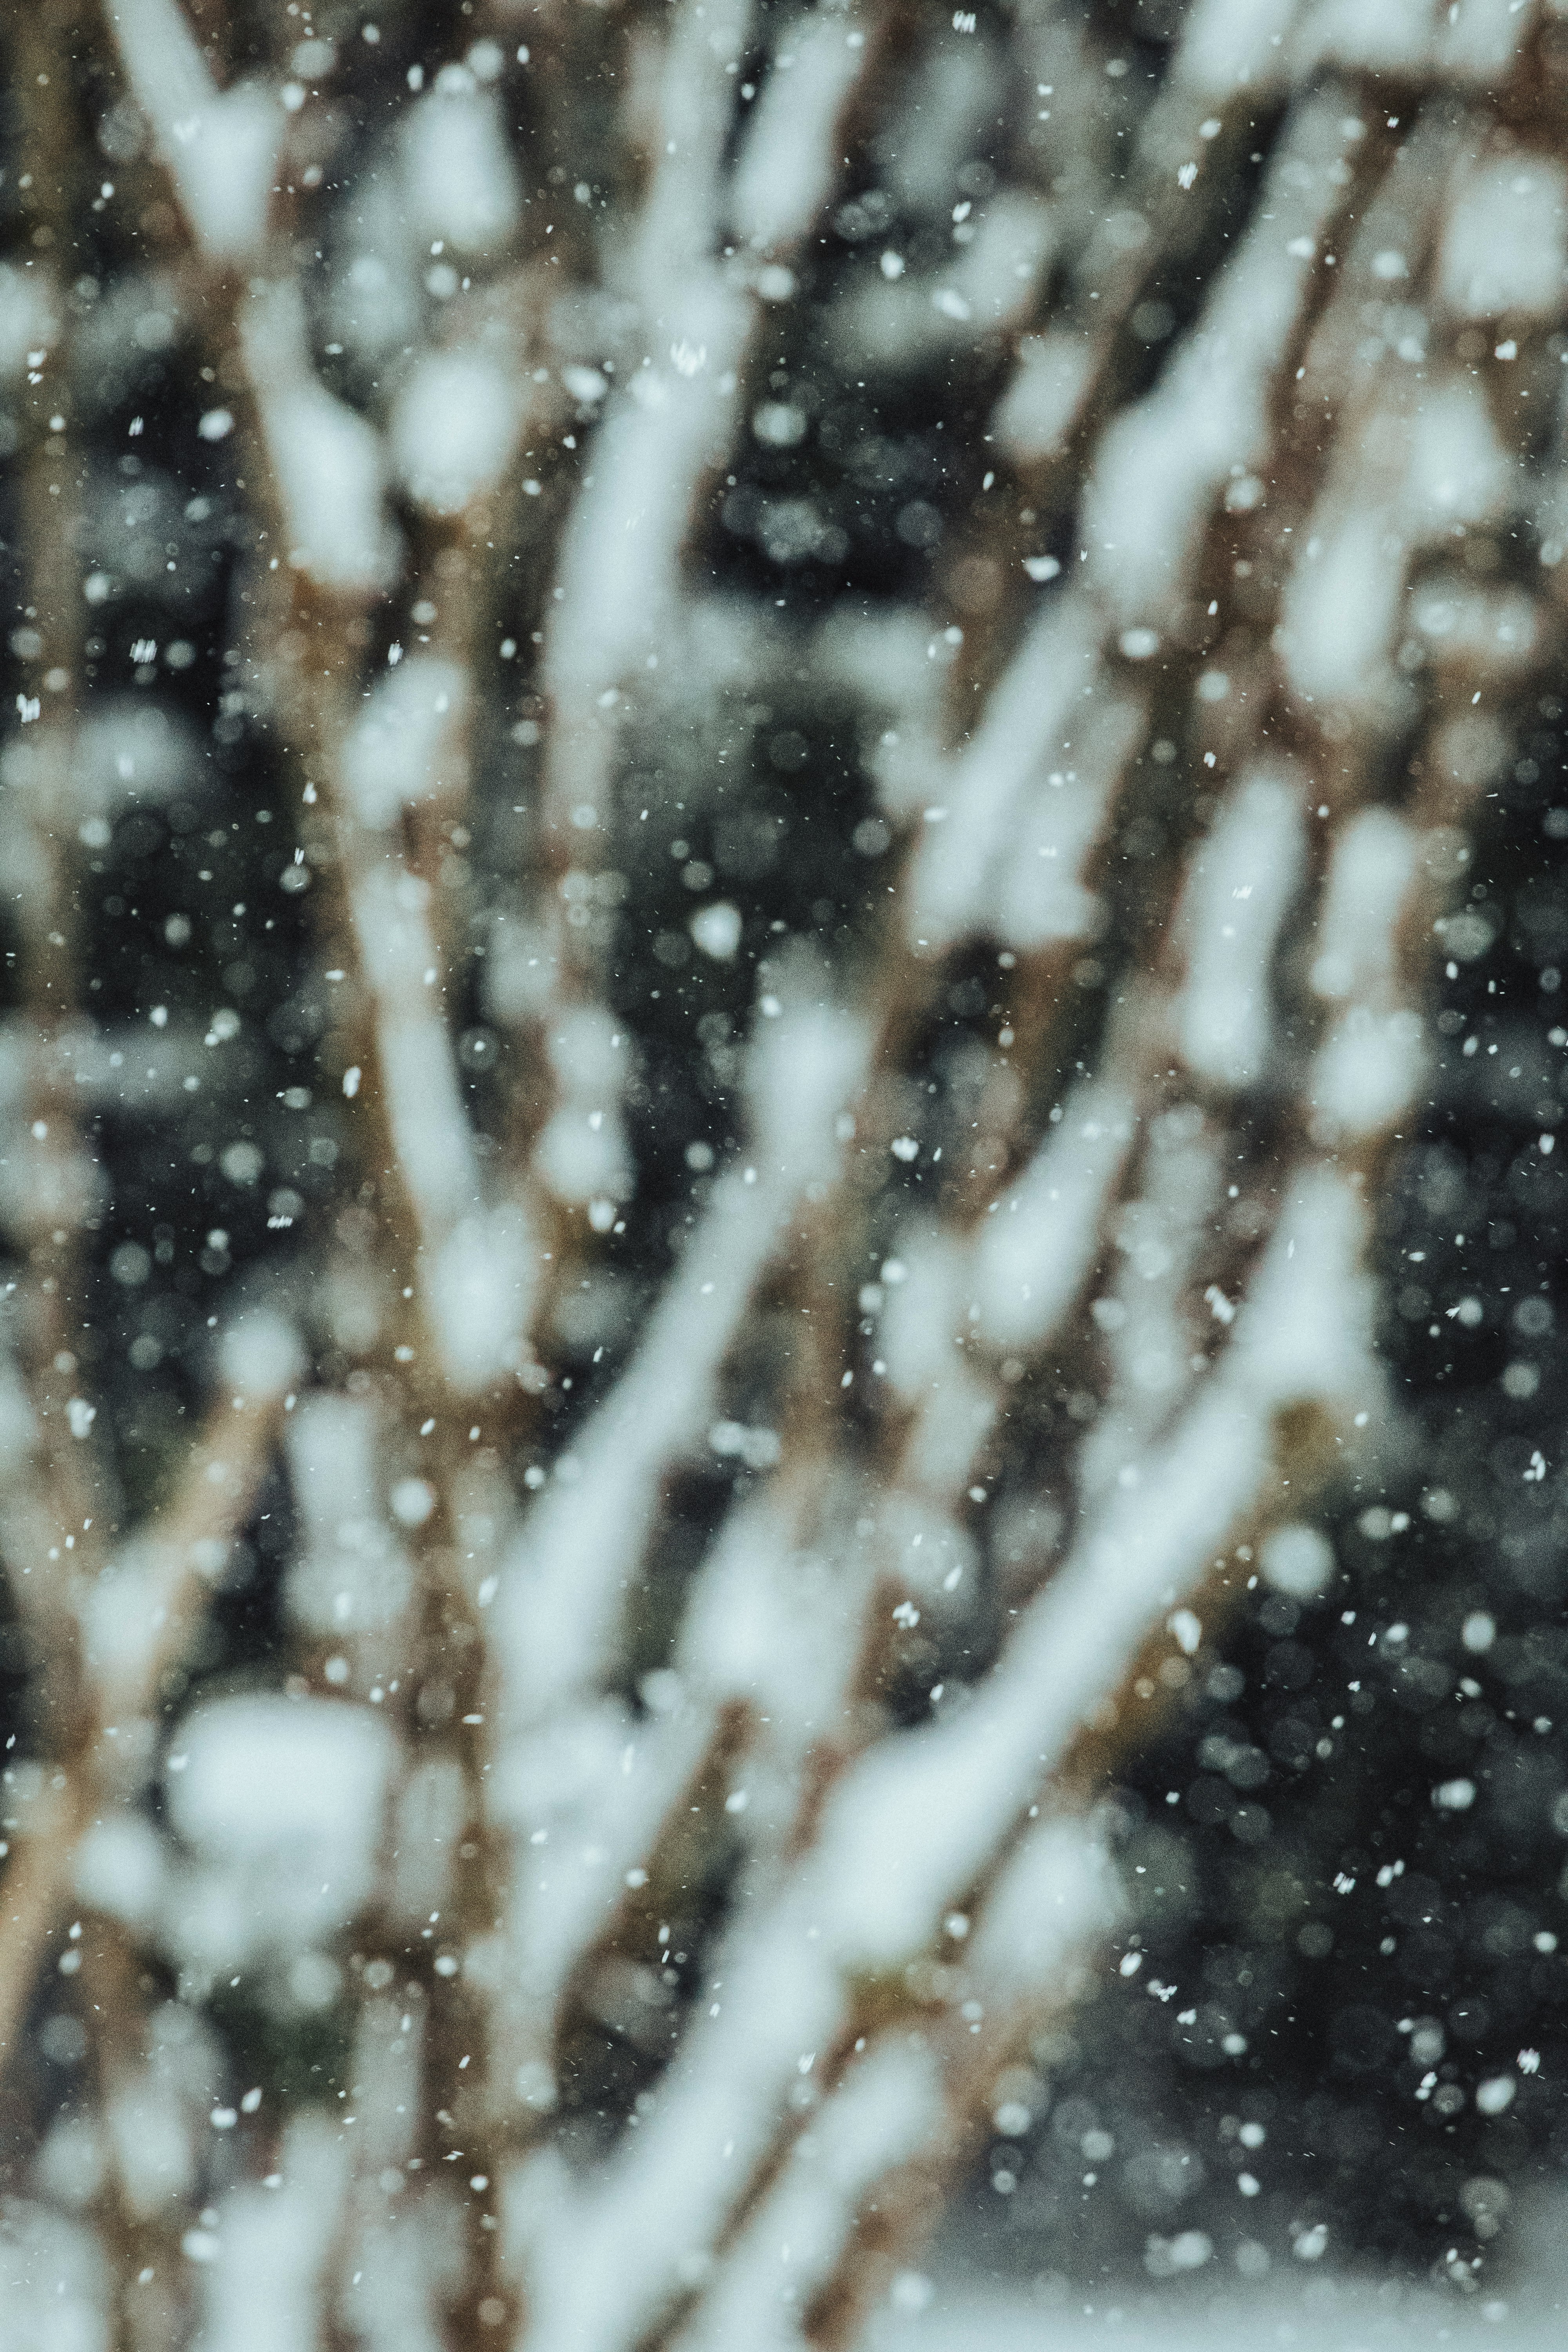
{"x":783,"y":874}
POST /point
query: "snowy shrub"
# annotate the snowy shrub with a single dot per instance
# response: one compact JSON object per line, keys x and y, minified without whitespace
{"x":783,"y":879}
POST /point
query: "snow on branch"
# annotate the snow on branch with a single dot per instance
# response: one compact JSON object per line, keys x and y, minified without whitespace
{"x":1163,"y":462}
{"x":557,"y":1615}
{"x":221,"y":147}
{"x":326,"y":460}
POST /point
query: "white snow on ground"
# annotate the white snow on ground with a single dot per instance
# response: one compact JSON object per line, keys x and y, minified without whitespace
{"x":1328,"y":2314}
